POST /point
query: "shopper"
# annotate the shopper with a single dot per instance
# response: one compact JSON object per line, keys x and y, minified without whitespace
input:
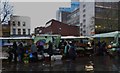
{"x":72,"y":51}
{"x":15,"y":51}
{"x":34,"y":52}
{"x":50,"y":49}
{"x":20,"y":52}
{"x":103,"y":46}
{"x":66,"y":50}
{"x":10,"y":52}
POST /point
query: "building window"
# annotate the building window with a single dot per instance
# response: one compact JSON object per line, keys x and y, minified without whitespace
{"x":81,"y":24}
{"x":84,"y":20}
{"x":84,"y":6}
{"x":28,"y":31}
{"x":84,"y":15}
{"x":18,"y":23}
{"x":9,"y":22}
{"x":14,"y":31}
{"x":24,"y":32}
{"x":84,"y":31}
{"x":84,"y":26}
{"x":84,"y":10}
{"x":13,"y":23}
{"x":24,"y":23}
{"x":81,"y":29}
{"x":19,"y":31}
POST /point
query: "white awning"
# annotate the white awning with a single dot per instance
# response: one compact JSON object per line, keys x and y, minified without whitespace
{"x":110,"y":34}
{"x":2,"y":38}
{"x":73,"y":37}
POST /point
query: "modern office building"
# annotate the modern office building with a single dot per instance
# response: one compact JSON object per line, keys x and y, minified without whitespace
{"x":63,"y":16}
{"x":87,"y":12}
{"x":19,"y":26}
{"x":73,"y":18}
{"x":98,"y":17}
{"x":119,"y":14}
{"x":69,"y":15}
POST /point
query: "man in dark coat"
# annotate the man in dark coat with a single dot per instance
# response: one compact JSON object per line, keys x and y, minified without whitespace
{"x":50,"y":49}
{"x":15,"y":51}
{"x":72,"y":51}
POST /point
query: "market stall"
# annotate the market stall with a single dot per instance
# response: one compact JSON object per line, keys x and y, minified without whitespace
{"x":112,"y":39}
{"x":55,"y":39}
{"x":109,"y":37}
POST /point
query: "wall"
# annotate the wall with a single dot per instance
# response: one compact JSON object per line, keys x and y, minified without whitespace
{"x":57,"y":27}
{"x":21,"y":19}
{"x":89,"y":13}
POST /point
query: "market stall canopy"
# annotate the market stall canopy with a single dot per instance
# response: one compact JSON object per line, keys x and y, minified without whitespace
{"x":2,"y":38}
{"x":73,"y":37}
{"x":45,"y":38}
{"x":110,"y":34}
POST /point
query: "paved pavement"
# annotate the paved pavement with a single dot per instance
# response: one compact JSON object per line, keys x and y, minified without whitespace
{"x":101,"y":63}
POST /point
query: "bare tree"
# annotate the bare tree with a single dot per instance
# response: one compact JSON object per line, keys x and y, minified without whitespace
{"x":6,"y":11}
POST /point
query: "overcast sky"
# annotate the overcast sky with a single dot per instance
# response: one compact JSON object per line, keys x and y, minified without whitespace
{"x":39,"y":12}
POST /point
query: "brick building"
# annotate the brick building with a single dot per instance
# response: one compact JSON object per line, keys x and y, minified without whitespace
{"x":56,"y":27}
{"x":38,"y":30}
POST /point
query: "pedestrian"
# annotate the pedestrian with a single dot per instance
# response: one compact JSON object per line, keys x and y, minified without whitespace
{"x":10,"y":52}
{"x":66,"y":50}
{"x":50,"y":49}
{"x":34,"y":52}
{"x":104,"y":49}
{"x":40,"y":47}
{"x":20,"y":52}
{"x":99,"y":48}
{"x":72,"y":51}
{"x":62,"y":47}
{"x":93,"y":47}
{"x":15,"y":47}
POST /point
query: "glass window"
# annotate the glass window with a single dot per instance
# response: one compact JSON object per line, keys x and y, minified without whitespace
{"x":28,"y":31}
{"x":81,"y":24}
{"x":84,"y":20}
{"x":24,"y":31}
{"x":84,"y":15}
{"x":14,"y":31}
{"x":19,"y":31}
{"x":83,"y":5}
{"x":13,"y":23}
{"x":84,"y":31}
{"x":107,"y":4}
{"x":84,"y":10}
{"x":99,"y":9}
{"x":81,"y":29}
{"x":24,"y":24}
{"x":18,"y":23}
{"x":84,"y":26}
{"x":99,"y":3}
